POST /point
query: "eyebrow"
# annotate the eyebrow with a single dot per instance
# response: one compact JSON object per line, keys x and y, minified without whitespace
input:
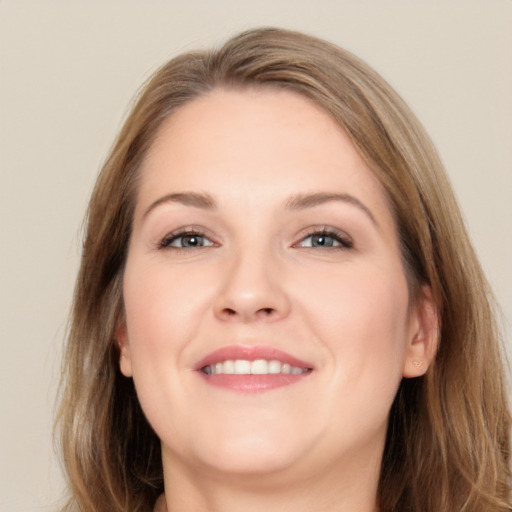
{"x":304,"y":201}
{"x":194,"y":199}
{"x":297,"y":202}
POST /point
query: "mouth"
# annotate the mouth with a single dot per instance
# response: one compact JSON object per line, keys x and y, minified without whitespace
{"x":252,"y":368}
{"x":256,"y":367}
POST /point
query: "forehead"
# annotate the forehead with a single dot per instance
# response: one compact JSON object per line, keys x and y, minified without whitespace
{"x":261,"y":143}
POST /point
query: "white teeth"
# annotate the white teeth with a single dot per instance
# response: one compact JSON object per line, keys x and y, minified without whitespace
{"x":227,"y":367}
{"x":259,"y":367}
{"x":274,"y":366}
{"x":256,"y":367}
{"x":242,"y":367}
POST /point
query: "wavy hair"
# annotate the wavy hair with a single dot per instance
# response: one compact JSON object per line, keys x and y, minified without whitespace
{"x":448,"y":445}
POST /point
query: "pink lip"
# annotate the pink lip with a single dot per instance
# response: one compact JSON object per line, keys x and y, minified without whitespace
{"x":251,"y":383}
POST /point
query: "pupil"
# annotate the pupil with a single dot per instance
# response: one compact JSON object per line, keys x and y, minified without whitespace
{"x":192,"y":240}
{"x":321,"y":240}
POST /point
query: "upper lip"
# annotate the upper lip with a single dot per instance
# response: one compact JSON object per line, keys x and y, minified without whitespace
{"x":250,"y":353}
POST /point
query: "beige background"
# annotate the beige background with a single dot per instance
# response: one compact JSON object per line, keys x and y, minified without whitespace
{"x":67,"y":73}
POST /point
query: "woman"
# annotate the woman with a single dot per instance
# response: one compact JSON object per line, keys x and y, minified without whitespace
{"x":278,"y":306}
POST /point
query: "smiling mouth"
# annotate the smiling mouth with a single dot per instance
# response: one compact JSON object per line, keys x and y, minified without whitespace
{"x":251,"y":369}
{"x":256,"y":367}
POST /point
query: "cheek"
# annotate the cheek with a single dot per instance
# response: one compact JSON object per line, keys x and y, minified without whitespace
{"x":163,"y":306}
{"x":163,"y":309}
{"x":359,"y":315}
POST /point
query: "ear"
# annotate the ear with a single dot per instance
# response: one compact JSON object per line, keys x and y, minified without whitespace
{"x":125,"y":360}
{"x":423,"y":337}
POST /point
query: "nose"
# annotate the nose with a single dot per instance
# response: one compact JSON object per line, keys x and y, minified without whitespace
{"x":252,"y":289}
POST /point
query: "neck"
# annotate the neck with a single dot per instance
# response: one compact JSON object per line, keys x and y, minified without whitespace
{"x":349,"y":489}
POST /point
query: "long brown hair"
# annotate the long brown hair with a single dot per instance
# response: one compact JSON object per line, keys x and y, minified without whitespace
{"x":448,"y":443}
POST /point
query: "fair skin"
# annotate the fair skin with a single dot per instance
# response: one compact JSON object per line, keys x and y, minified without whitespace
{"x":289,"y":246}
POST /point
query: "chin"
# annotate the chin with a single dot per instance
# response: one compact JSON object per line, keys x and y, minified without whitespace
{"x":245,"y":454}
{"x":253,"y":457}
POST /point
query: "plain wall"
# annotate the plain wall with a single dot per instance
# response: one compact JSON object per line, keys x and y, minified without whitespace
{"x":68,"y":71}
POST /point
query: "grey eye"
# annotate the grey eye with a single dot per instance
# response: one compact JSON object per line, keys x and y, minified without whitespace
{"x":186,"y":241}
{"x":326,"y":240}
{"x":323,"y":241}
{"x":190,"y":241}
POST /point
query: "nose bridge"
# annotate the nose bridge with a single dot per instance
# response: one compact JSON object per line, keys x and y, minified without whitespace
{"x":252,"y":287}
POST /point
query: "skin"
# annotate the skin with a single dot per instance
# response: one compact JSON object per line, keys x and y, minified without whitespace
{"x":313,"y":445}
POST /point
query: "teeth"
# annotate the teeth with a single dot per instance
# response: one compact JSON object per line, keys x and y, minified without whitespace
{"x":241,"y":367}
{"x":274,"y":366}
{"x":257,"y":367}
{"x":227,"y":367}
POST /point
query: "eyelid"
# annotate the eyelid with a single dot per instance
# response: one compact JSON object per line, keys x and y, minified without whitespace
{"x":345,"y":240}
{"x":164,"y":242}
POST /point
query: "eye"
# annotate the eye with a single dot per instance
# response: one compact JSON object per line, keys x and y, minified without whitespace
{"x":326,"y":239}
{"x":185,"y":240}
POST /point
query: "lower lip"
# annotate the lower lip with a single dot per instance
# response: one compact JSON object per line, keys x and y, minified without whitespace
{"x":253,"y":383}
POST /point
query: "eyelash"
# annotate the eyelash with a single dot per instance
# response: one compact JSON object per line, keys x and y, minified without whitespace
{"x":166,"y":242}
{"x":344,"y":241}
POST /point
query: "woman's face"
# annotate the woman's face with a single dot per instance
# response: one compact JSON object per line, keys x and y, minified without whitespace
{"x":268,"y":321}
